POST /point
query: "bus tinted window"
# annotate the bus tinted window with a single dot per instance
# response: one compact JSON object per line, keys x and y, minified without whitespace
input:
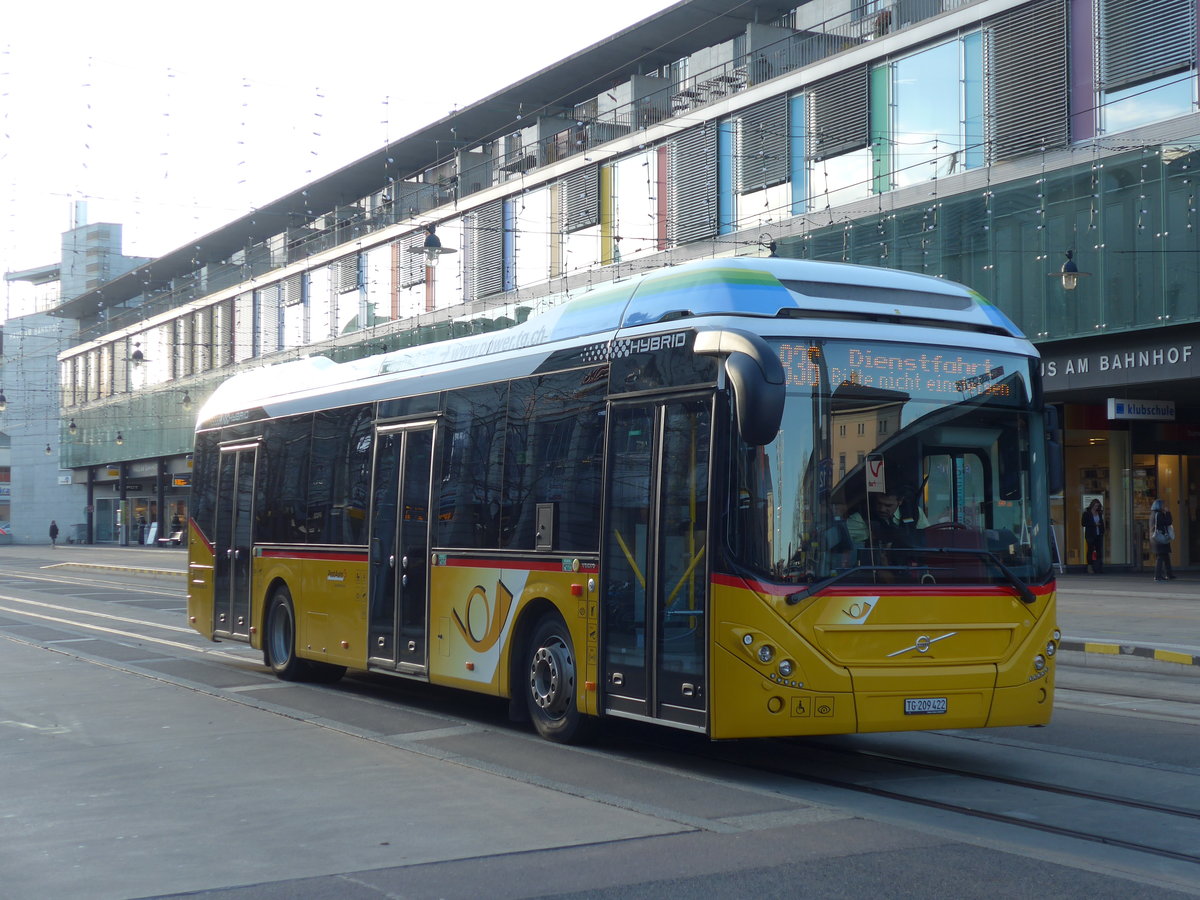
{"x":283,"y":480}
{"x":916,"y":464}
{"x":472,"y":455}
{"x":339,"y":476}
{"x":204,"y":482}
{"x":554,"y":454}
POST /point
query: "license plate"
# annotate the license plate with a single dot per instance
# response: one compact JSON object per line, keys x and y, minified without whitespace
{"x":924,"y":706}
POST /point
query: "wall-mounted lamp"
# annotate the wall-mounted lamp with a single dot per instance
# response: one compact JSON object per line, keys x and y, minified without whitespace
{"x":432,"y":248}
{"x":49,"y":452}
{"x":1069,"y":273}
{"x":137,"y":357}
{"x":187,"y":400}
{"x":72,"y":428}
{"x":3,"y":401}
{"x":120,"y":438}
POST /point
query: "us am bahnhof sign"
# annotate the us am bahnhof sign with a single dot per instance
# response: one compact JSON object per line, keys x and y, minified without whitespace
{"x":1128,"y":359}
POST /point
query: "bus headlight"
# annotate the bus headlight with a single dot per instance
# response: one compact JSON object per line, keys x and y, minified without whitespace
{"x":786,"y":667}
{"x":766,"y":653}
{"x":1039,"y":663}
{"x":1057,"y":635}
{"x":1051,"y":648}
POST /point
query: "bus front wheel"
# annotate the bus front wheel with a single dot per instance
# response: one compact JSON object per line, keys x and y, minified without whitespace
{"x":281,"y":644}
{"x":550,"y":683}
{"x":281,"y":637}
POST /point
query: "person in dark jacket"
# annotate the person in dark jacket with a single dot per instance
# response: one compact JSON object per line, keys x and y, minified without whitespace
{"x":1161,"y":533}
{"x":1093,"y":536}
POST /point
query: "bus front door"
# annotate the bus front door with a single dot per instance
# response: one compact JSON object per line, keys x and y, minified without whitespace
{"x":654,"y":569}
{"x":233,"y":540}
{"x":399,"y":576}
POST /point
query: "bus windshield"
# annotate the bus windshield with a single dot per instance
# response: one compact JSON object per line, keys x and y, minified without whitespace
{"x":896,"y":463}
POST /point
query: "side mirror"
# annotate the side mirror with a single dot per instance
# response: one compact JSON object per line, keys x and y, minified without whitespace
{"x":757,"y":378}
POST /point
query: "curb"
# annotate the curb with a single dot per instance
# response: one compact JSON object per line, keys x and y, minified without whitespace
{"x":126,"y":570}
{"x":1105,"y":648}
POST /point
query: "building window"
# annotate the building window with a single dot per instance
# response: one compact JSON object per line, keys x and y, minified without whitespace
{"x":927,"y":113}
{"x":1153,"y":101}
{"x":1147,"y":65}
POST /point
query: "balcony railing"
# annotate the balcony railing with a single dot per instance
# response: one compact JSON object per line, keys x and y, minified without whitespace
{"x":407,"y":199}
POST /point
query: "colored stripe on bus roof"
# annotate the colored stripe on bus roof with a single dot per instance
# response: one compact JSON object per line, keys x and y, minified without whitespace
{"x":707,"y":290}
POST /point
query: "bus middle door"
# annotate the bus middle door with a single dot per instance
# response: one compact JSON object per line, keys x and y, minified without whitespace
{"x":654,"y":568}
{"x":234,"y":541}
{"x":398,"y":610}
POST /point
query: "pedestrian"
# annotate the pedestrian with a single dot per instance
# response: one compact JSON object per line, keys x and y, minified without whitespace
{"x":53,"y":533}
{"x":1093,"y":536}
{"x":1162,"y":532}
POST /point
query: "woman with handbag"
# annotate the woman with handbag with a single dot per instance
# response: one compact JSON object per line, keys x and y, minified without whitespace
{"x":1162,"y":532}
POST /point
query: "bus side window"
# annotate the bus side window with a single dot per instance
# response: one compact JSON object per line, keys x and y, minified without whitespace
{"x":338,"y":476}
{"x":203,"y":501}
{"x":469,"y":508}
{"x":553,"y":454}
{"x":283,"y":476}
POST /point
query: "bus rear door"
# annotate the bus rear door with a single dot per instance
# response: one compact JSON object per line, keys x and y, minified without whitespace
{"x":399,"y":573}
{"x":654,"y":568}
{"x":233,"y":541}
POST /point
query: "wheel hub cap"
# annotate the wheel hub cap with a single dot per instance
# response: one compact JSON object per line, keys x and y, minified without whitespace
{"x":550,"y":678}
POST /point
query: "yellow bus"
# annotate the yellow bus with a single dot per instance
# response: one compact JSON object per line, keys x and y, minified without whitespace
{"x":746,"y":498}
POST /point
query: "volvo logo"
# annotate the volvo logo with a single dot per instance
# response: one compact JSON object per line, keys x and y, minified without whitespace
{"x":922,"y":644}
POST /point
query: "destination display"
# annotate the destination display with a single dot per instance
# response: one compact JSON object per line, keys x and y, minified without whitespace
{"x":919,"y":372}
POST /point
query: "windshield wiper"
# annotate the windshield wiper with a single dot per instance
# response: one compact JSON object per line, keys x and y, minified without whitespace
{"x":834,"y":579}
{"x":1022,"y":589}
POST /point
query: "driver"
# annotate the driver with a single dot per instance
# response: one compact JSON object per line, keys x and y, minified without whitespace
{"x":893,"y":523}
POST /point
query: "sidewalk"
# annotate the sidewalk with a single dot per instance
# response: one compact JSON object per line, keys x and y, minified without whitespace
{"x":1128,"y":618}
{"x":1111,"y":619}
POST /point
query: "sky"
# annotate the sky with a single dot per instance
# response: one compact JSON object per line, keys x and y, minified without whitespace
{"x":173,"y":119}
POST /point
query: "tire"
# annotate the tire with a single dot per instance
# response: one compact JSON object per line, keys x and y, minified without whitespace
{"x":550,"y":683}
{"x":280,"y":645}
{"x":280,"y":638}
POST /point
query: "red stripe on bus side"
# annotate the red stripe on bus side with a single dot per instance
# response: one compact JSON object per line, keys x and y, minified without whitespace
{"x":339,"y":556}
{"x":530,"y":565}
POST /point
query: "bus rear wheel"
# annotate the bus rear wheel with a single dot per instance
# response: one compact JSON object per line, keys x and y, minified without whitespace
{"x":281,"y":644}
{"x":550,"y":683}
